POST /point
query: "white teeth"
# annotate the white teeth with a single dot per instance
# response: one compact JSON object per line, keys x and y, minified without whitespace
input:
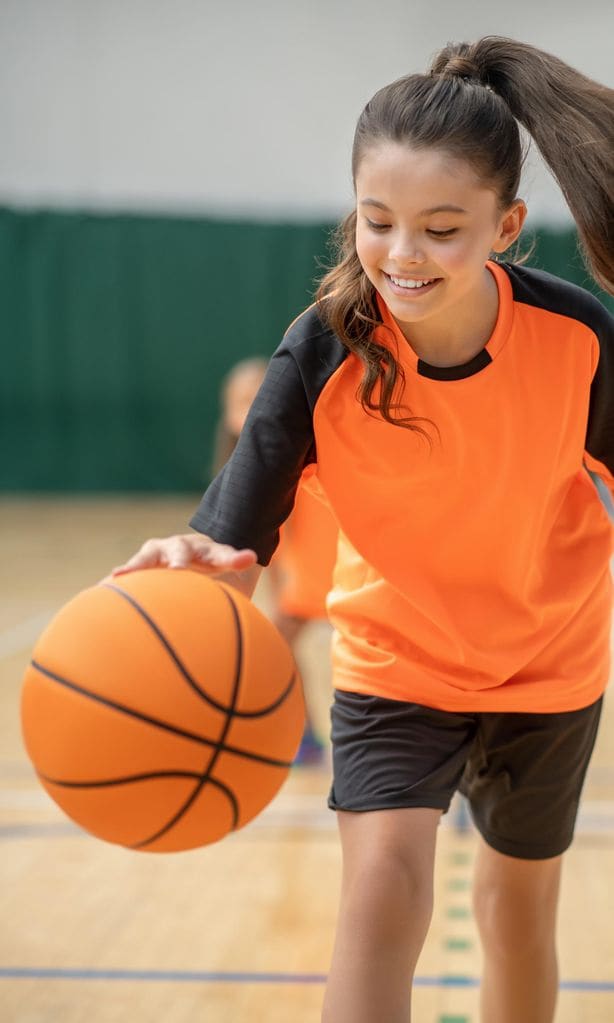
{"x":404,"y":283}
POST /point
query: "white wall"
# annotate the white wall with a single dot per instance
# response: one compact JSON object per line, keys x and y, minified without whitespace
{"x":234,"y":106}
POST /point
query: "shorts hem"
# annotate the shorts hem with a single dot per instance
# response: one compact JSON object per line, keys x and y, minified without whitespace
{"x":419,"y":803}
{"x":521,"y":851}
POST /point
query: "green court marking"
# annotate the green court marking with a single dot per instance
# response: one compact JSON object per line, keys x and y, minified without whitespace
{"x":458,"y":912}
{"x":461,"y":859}
{"x":453,"y":1019}
{"x":458,"y":884}
{"x":459,"y":944}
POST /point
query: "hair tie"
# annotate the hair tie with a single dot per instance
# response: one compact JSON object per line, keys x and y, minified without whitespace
{"x":460,"y":67}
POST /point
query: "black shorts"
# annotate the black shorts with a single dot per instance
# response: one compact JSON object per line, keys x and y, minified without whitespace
{"x":522,"y":773}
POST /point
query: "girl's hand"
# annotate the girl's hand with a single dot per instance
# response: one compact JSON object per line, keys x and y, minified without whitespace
{"x":192,"y":550}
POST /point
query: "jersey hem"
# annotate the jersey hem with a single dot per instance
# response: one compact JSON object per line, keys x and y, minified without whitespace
{"x":494,"y":700}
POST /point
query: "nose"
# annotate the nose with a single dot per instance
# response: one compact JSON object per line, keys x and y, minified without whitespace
{"x":405,"y":250}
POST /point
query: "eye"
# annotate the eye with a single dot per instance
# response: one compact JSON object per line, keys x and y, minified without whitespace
{"x":375,"y":226}
{"x":443,"y":234}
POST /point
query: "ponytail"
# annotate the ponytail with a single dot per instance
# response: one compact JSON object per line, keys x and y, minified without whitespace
{"x":571,"y":120}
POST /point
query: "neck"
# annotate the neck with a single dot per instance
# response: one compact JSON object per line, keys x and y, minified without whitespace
{"x":460,"y":333}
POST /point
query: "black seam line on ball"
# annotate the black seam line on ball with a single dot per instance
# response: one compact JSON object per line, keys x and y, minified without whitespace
{"x":184,"y":671}
{"x":218,"y":785}
{"x":126,"y":779}
{"x":149,"y":776}
{"x":146,"y":719}
{"x":145,"y":776}
{"x":181,"y":812}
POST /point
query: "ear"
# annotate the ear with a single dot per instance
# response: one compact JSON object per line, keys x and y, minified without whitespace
{"x":510,"y":226}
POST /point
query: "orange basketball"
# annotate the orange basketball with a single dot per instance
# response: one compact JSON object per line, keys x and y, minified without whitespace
{"x":161,"y":710}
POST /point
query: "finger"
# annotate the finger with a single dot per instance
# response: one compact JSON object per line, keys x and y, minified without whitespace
{"x":178,"y":553}
{"x":242,"y":559}
{"x":221,"y":557}
{"x":147,"y":557}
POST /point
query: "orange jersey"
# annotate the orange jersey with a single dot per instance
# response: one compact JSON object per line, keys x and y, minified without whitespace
{"x":472,"y":574}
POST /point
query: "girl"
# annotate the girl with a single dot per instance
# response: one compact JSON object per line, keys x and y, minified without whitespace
{"x":450,"y":406}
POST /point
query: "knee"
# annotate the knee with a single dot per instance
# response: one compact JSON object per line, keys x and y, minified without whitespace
{"x":511,"y":922}
{"x":387,"y":884}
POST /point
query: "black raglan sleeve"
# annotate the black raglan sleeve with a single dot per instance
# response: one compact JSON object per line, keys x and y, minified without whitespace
{"x":600,"y":429}
{"x":545,"y":291}
{"x":254,"y":493}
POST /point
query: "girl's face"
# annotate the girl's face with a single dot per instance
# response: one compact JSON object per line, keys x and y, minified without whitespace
{"x":426,"y":225}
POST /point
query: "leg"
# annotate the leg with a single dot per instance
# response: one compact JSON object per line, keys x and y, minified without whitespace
{"x":289,"y":625}
{"x":524,"y":780}
{"x":386,"y":906}
{"x":515,"y":904}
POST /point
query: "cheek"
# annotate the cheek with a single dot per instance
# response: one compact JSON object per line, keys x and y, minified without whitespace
{"x":453,"y":257}
{"x":369,"y":248}
{"x":461,"y":257}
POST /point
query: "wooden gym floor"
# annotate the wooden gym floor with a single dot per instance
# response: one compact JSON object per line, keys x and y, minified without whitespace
{"x":241,"y":930}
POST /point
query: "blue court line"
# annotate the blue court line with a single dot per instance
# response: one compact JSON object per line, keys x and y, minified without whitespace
{"x":225,"y":977}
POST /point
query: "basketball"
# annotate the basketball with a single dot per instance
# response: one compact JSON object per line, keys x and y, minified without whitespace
{"x":161,"y":710}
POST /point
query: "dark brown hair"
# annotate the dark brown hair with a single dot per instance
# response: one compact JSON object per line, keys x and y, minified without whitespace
{"x":470,"y":104}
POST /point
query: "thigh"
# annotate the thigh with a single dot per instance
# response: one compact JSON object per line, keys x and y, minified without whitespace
{"x":404,"y":833}
{"x":517,"y":886}
{"x":389,"y":848}
{"x":515,"y":901}
{"x":525,"y":776}
{"x":388,"y":754}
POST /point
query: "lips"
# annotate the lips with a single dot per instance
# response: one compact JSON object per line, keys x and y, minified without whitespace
{"x":411,"y":287}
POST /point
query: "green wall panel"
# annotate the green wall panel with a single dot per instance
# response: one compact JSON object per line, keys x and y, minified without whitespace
{"x":117,"y":331}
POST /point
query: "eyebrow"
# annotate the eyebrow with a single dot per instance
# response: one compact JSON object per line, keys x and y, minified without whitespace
{"x":445,"y":208}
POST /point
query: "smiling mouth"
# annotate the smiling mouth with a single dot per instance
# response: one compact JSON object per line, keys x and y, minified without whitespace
{"x":411,"y":285}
